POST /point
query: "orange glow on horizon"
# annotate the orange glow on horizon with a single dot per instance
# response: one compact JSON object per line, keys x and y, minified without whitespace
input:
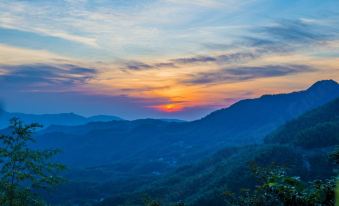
{"x":169,"y":108}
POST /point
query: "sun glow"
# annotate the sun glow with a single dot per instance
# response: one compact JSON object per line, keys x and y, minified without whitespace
{"x":169,"y":108}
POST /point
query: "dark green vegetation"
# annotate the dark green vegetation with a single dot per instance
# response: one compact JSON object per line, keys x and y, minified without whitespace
{"x":277,"y":188}
{"x":307,"y":177}
{"x":24,"y":171}
{"x":316,"y":129}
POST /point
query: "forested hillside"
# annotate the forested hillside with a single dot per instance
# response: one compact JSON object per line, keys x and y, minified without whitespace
{"x":165,"y":161}
{"x":298,"y":146}
{"x":316,"y":129}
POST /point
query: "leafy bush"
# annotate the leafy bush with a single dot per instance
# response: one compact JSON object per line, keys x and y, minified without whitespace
{"x":277,"y":188}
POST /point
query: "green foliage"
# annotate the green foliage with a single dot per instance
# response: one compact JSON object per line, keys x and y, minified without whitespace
{"x":24,"y":170}
{"x":203,"y":183}
{"x":335,"y":155}
{"x":278,"y":188}
{"x":152,"y":203}
{"x":320,"y":135}
{"x":315,"y":129}
{"x":149,"y":202}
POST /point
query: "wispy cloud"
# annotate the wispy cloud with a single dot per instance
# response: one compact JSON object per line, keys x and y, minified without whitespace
{"x":281,"y":37}
{"x":246,"y":73}
{"x":24,"y":16}
{"x":229,"y":58}
{"x":139,"y":66}
{"x":295,"y":31}
{"x":16,"y":55}
{"x":118,"y":27}
{"x":135,"y":65}
{"x":192,"y":60}
{"x":90,"y":41}
{"x":42,"y":77}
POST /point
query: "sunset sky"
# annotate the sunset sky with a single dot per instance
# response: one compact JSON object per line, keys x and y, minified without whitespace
{"x":161,"y":58}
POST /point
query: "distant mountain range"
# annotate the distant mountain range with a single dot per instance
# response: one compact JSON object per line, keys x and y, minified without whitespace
{"x":62,"y":119}
{"x":54,"y":119}
{"x":155,"y":147}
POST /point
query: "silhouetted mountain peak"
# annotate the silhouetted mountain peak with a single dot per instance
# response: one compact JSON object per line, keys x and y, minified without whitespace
{"x":324,"y":85}
{"x":268,"y":108}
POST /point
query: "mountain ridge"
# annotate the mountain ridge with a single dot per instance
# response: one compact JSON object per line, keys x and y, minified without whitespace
{"x":170,"y":144}
{"x":53,"y":119}
{"x":268,"y":107}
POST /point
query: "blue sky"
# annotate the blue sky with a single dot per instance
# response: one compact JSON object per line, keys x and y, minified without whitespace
{"x":161,"y":58}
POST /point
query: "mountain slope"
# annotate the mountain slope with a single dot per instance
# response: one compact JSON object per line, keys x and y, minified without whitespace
{"x":317,"y":128}
{"x":203,"y":183}
{"x":261,"y":115}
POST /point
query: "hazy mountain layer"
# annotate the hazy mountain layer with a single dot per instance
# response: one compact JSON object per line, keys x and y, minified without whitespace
{"x":54,"y":119}
{"x":154,"y":146}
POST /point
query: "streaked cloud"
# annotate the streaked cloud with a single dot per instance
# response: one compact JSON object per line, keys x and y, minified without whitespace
{"x":71,"y":37}
{"x":134,"y":65}
{"x":42,"y":77}
{"x":118,"y":27}
{"x":281,"y":37}
{"x":24,"y":16}
{"x":16,"y":55}
{"x":238,"y":74}
{"x":296,"y":31}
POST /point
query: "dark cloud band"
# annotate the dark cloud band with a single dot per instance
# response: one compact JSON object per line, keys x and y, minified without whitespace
{"x":246,"y":73}
{"x":44,"y":76}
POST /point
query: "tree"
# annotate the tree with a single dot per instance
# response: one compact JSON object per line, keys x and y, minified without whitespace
{"x":23,"y":170}
{"x":277,"y":188}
